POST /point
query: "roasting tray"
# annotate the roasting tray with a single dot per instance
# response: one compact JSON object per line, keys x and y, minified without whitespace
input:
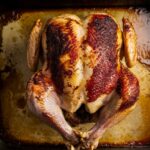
{"x":16,"y":20}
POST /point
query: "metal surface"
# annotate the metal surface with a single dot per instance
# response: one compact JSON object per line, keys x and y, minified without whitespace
{"x":16,"y":66}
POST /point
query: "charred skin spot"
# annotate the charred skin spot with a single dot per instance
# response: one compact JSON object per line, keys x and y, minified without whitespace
{"x":102,"y":37}
{"x":127,"y":27}
{"x":68,"y":73}
{"x":126,"y":24}
{"x":41,"y":82}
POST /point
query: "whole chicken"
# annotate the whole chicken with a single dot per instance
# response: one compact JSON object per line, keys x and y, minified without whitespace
{"x":82,"y":67}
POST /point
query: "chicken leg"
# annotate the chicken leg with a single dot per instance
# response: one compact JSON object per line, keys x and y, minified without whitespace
{"x":44,"y":102}
{"x":123,"y":101}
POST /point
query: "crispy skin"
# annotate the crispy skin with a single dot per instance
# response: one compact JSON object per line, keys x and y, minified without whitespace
{"x":102,"y":38}
{"x":64,"y":41}
{"x":128,"y":88}
{"x":129,"y":37}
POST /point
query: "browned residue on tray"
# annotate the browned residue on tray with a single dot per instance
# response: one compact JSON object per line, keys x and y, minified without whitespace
{"x":14,"y":74}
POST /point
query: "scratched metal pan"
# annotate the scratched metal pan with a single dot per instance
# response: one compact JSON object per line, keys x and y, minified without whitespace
{"x":18,"y":127}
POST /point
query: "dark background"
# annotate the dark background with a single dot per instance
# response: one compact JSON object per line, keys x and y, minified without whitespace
{"x":46,"y":4}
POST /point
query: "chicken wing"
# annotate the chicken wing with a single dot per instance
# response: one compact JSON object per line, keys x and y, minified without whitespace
{"x":129,"y":37}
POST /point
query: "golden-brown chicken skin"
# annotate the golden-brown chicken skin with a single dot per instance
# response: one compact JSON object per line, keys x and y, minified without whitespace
{"x":82,"y":66}
{"x":129,"y":43}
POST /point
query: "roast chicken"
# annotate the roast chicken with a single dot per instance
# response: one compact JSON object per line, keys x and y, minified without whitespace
{"x":82,"y":67}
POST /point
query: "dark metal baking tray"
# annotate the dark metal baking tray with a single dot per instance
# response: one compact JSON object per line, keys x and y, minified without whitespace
{"x":10,"y":8}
